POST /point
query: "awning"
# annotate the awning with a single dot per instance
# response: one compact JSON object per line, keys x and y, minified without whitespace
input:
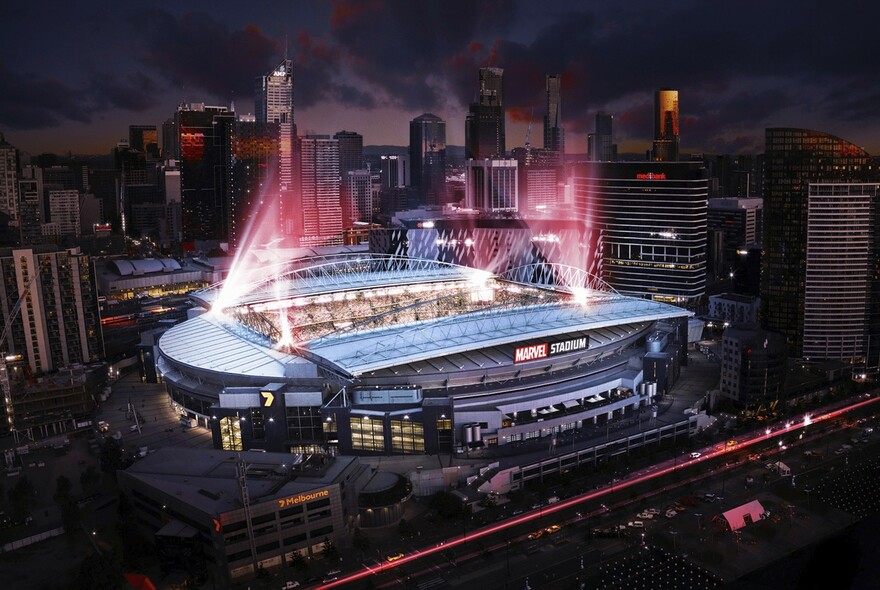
{"x":569,"y":403}
{"x":595,"y":400}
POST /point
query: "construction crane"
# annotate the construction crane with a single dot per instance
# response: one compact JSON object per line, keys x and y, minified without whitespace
{"x":16,"y":309}
{"x":4,"y":374}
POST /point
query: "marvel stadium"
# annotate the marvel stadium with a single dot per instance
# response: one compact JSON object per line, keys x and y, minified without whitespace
{"x":373,"y":354}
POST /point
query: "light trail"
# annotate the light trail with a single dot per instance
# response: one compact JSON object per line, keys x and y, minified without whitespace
{"x":537,"y":514}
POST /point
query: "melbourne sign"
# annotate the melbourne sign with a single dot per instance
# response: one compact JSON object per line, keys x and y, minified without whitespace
{"x":300,"y":498}
{"x":543,"y":350}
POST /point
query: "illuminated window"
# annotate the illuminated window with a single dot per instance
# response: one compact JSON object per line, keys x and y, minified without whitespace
{"x":230,"y":434}
{"x":407,"y":436}
{"x":367,"y":434}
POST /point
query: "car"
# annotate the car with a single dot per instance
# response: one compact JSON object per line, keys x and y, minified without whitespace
{"x":671,"y":513}
{"x":536,"y":535}
{"x":645,"y":515}
{"x":636,"y":524}
{"x":334,"y":572}
{"x":696,"y":455}
{"x":731,"y":444}
{"x":133,"y":428}
{"x":290,"y":585}
{"x":393,"y":557}
{"x":770,"y":466}
{"x":329,"y":579}
{"x":553,"y":528}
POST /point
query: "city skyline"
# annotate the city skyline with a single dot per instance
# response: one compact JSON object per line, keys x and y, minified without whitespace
{"x":77,"y":83}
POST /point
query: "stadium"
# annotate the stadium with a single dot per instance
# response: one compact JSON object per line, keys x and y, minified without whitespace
{"x":370,"y":354}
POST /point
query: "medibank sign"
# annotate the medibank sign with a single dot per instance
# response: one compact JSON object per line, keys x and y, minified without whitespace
{"x":534,"y":352}
{"x":651,"y":176}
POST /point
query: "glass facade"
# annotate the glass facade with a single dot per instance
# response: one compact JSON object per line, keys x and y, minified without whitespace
{"x":407,"y":436}
{"x":230,"y":434}
{"x":367,"y":434}
{"x":304,"y":425}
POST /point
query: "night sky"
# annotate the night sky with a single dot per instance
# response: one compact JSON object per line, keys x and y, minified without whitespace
{"x":73,"y":76}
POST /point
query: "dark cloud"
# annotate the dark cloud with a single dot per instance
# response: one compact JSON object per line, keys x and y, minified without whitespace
{"x":36,"y":102}
{"x":403,"y":48}
{"x":195,"y":52}
{"x":132,"y":92}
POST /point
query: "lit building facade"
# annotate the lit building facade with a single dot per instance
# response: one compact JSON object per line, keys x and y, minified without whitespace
{"x":666,"y":129}
{"x":357,"y":197}
{"x":652,"y":217}
{"x":320,"y":180}
{"x":64,"y":211}
{"x":8,"y":178}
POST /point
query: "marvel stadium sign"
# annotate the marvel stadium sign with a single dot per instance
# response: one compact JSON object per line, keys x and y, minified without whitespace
{"x":534,"y":352}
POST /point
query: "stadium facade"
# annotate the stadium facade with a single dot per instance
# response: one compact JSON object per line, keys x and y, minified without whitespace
{"x":375,"y":354}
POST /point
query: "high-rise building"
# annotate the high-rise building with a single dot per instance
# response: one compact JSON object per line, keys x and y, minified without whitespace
{"x":666,"y":138}
{"x":841,"y":261}
{"x":254,"y":175}
{"x":8,"y":178}
{"x":58,"y":322}
{"x":554,"y":134}
{"x":427,"y":156}
{"x":357,"y":197}
{"x":652,"y":218}
{"x":491,"y":185}
{"x":539,"y":174}
{"x":753,"y":365}
{"x":204,"y":164}
{"x":64,"y":211}
{"x":484,"y":124}
{"x":351,"y":151}
{"x":600,"y":145}
{"x":394,"y":171}
{"x":793,"y":159}
{"x":30,"y":218}
{"x":321,"y":210}
{"x":739,"y":222}
{"x":144,"y":138}
{"x":274,"y":104}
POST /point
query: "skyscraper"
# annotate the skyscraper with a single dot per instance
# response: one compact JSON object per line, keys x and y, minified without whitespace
{"x":357,"y":197}
{"x":600,"y":145}
{"x":144,"y":138}
{"x":8,"y":178}
{"x":666,"y":137}
{"x":254,"y":171}
{"x":841,"y":260}
{"x":204,"y":133}
{"x":274,"y":104}
{"x":351,"y":151}
{"x":793,"y":159}
{"x":427,"y":156}
{"x":484,"y":124}
{"x":554,"y":134}
{"x":652,"y":218}
{"x":321,"y":210}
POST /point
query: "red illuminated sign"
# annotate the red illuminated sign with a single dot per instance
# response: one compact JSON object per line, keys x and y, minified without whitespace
{"x":531,"y":352}
{"x":651,"y":176}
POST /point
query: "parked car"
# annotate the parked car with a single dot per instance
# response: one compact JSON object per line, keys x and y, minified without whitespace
{"x":636,"y":524}
{"x":290,"y":585}
{"x":671,"y":513}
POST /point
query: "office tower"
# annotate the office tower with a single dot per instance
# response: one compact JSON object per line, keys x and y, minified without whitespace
{"x":491,"y":185}
{"x":793,"y":159}
{"x":753,"y":365}
{"x":841,"y":261}
{"x":739,"y":222}
{"x":666,"y":137}
{"x":600,"y":145}
{"x":351,"y":151}
{"x":58,"y":323}
{"x":554,"y":134}
{"x":170,"y":140}
{"x":652,"y":218}
{"x":204,"y":163}
{"x":539,"y":174}
{"x":357,"y":197}
{"x":484,"y":124}
{"x":139,"y":191}
{"x":171,"y":192}
{"x":254,"y":175}
{"x":274,"y":104}
{"x":321,"y":211}
{"x":8,"y":178}
{"x":144,"y":138}
{"x":394,"y":171}
{"x":64,"y":211}
{"x":427,"y":156}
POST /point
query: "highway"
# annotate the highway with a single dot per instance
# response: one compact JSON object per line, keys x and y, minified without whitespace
{"x":417,"y":557}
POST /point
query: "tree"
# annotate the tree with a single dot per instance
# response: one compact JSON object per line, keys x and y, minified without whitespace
{"x":359,"y":540}
{"x":63,"y":488}
{"x":22,"y":498}
{"x":89,"y":478}
{"x":98,"y":572}
{"x":298,"y":562}
{"x":329,"y":550}
{"x":111,"y":456}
